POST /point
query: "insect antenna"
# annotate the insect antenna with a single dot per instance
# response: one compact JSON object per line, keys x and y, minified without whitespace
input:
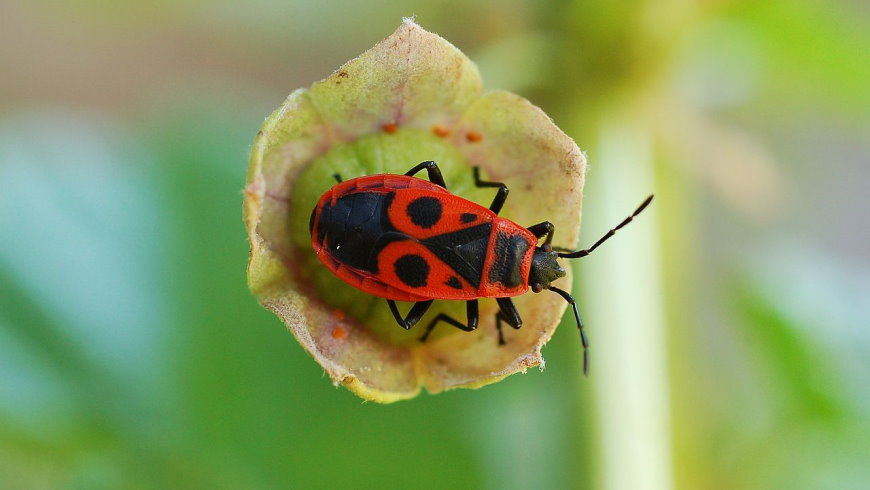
{"x":583,"y":340}
{"x":584,"y":253}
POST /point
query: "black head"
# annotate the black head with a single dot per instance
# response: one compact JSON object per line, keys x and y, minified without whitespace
{"x":544,"y":269}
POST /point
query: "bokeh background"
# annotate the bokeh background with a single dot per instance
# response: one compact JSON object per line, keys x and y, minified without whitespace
{"x":730,"y":325}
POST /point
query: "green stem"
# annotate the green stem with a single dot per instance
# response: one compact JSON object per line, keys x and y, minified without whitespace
{"x":623,"y":288}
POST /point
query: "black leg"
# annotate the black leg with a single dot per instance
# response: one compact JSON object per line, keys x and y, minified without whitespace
{"x":583,"y":339}
{"x":432,"y":169}
{"x":337,"y":178}
{"x":584,"y":253}
{"x":473,"y":319}
{"x":541,"y":229}
{"x":500,"y":196}
{"x":417,"y":311}
{"x":506,"y":312}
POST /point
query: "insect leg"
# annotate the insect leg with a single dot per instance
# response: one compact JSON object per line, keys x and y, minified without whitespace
{"x":541,"y":229}
{"x":583,"y":339}
{"x":506,"y":312}
{"x":337,"y":178}
{"x":473,"y":318}
{"x":417,"y":311}
{"x":500,"y":196}
{"x":432,"y":169}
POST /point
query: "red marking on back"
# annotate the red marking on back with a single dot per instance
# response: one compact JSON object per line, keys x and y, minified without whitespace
{"x":363,"y":280}
{"x":497,"y":289}
{"x":436,"y":280}
{"x":386,"y":284}
{"x":452,"y":208}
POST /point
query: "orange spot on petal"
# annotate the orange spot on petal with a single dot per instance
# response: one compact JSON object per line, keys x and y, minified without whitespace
{"x":338,"y":314}
{"x":339,"y":333}
{"x":391,"y":127}
{"x":440,"y":130}
{"x":473,"y":136}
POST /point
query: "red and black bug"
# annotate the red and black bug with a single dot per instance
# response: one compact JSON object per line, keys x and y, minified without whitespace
{"x":403,"y":238}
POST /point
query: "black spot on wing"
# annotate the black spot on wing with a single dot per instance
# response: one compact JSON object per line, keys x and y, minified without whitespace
{"x":412,"y":270}
{"x":454,"y":283}
{"x":467,"y":217}
{"x":425,"y":211}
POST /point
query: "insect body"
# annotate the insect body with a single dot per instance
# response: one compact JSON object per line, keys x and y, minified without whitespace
{"x":407,"y":239}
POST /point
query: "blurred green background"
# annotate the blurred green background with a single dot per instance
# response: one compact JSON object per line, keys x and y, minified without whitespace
{"x":730,"y":325}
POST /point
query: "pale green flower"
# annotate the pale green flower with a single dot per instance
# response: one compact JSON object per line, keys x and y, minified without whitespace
{"x":412,"y":97}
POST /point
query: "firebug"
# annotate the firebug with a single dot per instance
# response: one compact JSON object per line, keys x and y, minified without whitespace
{"x":403,"y":238}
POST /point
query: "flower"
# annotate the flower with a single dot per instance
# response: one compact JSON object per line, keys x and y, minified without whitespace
{"x":412,"y":97}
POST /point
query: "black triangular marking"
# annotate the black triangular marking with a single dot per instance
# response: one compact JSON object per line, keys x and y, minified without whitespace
{"x":464,"y":250}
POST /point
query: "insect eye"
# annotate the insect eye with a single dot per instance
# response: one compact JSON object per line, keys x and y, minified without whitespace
{"x":537,"y":288}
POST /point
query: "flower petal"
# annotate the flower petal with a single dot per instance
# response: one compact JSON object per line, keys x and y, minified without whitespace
{"x":411,"y":79}
{"x":513,"y":142}
{"x":413,"y":97}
